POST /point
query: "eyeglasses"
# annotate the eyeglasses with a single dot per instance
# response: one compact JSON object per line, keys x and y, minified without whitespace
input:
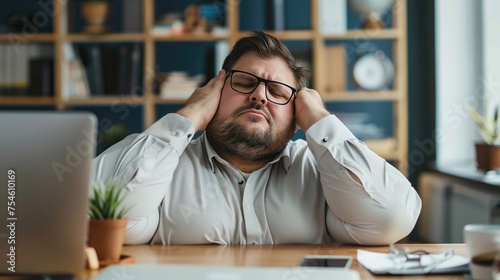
{"x":276,"y":92}
{"x":419,"y":261}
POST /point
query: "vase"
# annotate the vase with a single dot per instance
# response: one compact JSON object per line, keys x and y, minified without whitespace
{"x":107,"y":237}
{"x":95,"y":15}
{"x":487,"y":156}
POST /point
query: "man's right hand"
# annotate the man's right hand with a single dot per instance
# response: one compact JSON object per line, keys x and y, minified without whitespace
{"x":201,"y":106}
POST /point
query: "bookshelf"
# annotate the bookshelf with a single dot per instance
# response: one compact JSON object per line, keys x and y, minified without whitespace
{"x":394,"y":147}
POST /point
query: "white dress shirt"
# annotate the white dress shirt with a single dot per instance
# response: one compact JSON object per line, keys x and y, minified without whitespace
{"x":182,"y":192}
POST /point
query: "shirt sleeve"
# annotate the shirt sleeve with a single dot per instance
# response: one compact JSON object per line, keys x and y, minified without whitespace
{"x":145,"y":162}
{"x":382,"y":209}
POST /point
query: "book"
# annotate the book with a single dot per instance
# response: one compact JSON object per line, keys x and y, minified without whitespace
{"x":179,"y":85}
{"x":79,"y":86}
{"x":75,"y":82}
{"x":95,"y":70}
{"x":110,"y":64}
{"x":221,"y":52}
{"x":332,"y":16}
{"x":20,"y":69}
{"x":132,"y":16}
{"x":135,"y":58}
{"x":123,"y":70}
{"x":41,"y":78}
{"x":278,"y":15}
{"x":335,"y":69}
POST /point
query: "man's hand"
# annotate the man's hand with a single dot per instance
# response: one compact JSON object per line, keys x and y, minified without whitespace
{"x":201,"y":106}
{"x":309,"y":108}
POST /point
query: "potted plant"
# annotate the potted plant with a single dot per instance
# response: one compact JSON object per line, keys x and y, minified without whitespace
{"x":106,"y":231}
{"x":95,"y":13}
{"x":114,"y":134}
{"x":488,"y":151}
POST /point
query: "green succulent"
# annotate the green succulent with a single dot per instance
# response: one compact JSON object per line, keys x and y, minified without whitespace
{"x":106,"y":202}
{"x":489,"y":127}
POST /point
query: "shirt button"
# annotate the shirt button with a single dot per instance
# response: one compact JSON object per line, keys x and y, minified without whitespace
{"x":241,"y":182}
{"x":248,"y":206}
{"x":173,"y":133}
{"x":326,"y":139}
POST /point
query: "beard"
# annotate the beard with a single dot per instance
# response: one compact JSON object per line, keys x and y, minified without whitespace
{"x":248,"y":141}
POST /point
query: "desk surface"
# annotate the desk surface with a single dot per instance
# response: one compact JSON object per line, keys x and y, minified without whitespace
{"x":267,"y":255}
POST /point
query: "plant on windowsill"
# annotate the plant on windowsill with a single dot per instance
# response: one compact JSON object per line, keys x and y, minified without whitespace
{"x":488,"y":151}
{"x":95,"y":13}
{"x":106,"y":231}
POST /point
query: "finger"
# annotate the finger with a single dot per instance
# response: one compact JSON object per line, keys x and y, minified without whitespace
{"x":219,"y":79}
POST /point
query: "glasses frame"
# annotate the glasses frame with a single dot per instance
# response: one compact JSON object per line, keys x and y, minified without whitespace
{"x":260,"y":80}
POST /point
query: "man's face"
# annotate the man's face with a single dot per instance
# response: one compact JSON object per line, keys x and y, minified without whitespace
{"x":249,"y":125}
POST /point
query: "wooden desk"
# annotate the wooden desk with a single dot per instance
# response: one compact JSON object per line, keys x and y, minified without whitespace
{"x":267,"y":255}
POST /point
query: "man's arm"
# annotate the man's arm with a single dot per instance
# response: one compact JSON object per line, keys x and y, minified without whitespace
{"x":146,"y":162}
{"x":370,"y":202}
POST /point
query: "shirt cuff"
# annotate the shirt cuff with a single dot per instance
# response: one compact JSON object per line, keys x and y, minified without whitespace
{"x":174,"y":129}
{"x":326,"y":133}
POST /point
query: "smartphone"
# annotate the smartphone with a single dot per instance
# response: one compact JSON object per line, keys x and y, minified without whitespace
{"x":327,"y":261}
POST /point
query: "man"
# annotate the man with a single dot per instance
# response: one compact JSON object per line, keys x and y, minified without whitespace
{"x":244,"y":181}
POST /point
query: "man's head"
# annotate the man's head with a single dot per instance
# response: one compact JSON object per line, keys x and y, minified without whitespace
{"x":266,"y":46}
{"x":247,"y":125}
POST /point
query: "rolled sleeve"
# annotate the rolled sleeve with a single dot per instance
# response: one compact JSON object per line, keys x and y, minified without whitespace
{"x":382,"y":209}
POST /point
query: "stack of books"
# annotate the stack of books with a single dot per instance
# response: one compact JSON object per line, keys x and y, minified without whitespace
{"x":179,"y":85}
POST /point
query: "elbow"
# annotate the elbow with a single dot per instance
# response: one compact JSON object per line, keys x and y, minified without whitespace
{"x":140,"y":230}
{"x":393,"y":227}
{"x":392,"y":230}
{"x":388,"y":228}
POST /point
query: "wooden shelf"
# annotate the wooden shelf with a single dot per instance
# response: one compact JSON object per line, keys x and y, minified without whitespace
{"x":188,"y":37}
{"x":112,"y":37}
{"x":291,"y":35}
{"x":105,"y":100}
{"x":160,"y":100}
{"x":29,"y":38}
{"x":27,"y":100}
{"x":364,"y":34}
{"x":362,"y":96}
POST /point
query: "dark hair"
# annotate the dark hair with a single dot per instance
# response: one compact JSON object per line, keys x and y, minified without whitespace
{"x":266,"y":46}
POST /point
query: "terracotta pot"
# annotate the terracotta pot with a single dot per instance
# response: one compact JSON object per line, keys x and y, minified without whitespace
{"x":487,"y":156}
{"x":106,"y":237}
{"x":95,"y":15}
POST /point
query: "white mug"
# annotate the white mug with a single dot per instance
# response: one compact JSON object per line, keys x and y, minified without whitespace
{"x":483,"y":244}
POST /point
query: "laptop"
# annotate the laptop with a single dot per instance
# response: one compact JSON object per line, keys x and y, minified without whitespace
{"x":183,"y":272}
{"x":45,"y":171}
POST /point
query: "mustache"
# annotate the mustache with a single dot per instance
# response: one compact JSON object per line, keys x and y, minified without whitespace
{"x":252,"y":106}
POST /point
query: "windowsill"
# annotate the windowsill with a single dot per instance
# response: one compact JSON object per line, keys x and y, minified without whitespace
{"x":469,"y":172}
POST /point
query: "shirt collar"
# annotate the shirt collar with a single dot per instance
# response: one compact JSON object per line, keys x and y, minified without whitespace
{"x":212,"y":155}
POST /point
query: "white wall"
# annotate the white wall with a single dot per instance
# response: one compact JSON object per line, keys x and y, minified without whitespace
{"x":459,"y":73}
{"x":491,"y":53}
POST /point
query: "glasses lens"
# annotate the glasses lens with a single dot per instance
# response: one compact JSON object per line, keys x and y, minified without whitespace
{"x":278,"y":93}
{"x":246,"y":83}
{"x":243,"y":82}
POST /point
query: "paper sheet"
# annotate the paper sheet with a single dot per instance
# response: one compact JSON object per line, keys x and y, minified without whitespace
{"x":385,"y":263}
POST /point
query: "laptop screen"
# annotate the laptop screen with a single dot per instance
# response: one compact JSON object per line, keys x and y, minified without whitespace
{"x":45,"y":168}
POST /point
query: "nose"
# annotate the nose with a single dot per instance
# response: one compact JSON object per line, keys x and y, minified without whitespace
{"x":259,"y":94}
